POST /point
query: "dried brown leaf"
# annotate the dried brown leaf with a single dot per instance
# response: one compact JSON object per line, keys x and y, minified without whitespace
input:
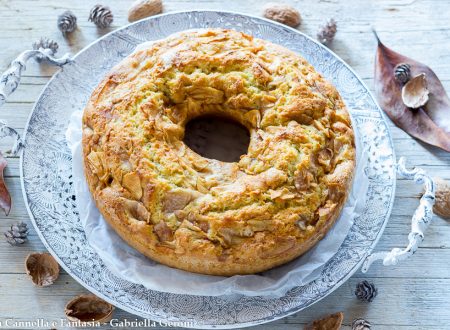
{"x":5,"y":197}
{"x":430,"y":123}
{"x":329,"y":322}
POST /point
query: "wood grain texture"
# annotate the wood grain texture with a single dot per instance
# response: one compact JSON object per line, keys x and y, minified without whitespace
{"x":412,"y":295}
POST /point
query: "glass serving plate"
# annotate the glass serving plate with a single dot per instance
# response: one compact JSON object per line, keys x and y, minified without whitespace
{"x":49,"y":194}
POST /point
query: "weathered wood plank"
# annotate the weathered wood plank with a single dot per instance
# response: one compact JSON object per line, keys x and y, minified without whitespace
{"x":426,"y":264}
{"x":354,"y":32}
{"x":425,"y":305}
{"x":413,"y":295}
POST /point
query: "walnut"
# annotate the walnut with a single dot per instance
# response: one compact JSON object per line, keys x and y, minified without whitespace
{"x":89,"y":308}
{"x":442,"y":205}
{"x":282,"y":13}
{"x":42,"y":268}
{"x":144,"y":8}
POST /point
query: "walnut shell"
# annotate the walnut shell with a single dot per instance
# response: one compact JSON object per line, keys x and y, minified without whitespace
{"x":415,"y":92}
{"x":144,"y":8}
{"x":89,"y":308}
{"x":282,"y":13}
{"x":329,"y":322}
{"x":42,"y":268}
{"x":442,"y":205}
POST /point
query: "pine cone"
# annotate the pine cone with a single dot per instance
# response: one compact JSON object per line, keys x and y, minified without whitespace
{"x":67,"y":22}
{"x":101,"y":16}
{"x":361,"y":324}
{"x":402,"y":72}
{"x":17,"y":234}
{"x":366,"y":291}
{"x":327,"y":32}
{"x":45,"y":43}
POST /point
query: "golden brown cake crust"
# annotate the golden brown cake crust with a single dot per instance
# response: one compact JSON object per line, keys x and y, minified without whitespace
{"x":203,"y":215}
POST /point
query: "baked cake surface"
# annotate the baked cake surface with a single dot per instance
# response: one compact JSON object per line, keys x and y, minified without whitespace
{"x":204,"y":215}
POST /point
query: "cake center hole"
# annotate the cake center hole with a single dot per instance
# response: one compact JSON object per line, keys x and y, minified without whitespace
{"x":217,"y":138}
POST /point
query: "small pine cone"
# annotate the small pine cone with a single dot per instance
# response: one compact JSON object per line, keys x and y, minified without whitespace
{"x":17,"y":234}
{"x":67,"y":22}
{"x":366,"y":291}
{"x":361,"y":324}
{"x":402,"y":72}
{"x":101,"y":16}
{"x":45,"y":43}
{"x":327,"y":32}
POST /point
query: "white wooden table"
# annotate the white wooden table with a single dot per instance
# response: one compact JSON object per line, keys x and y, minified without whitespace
{"x":413,"y":295}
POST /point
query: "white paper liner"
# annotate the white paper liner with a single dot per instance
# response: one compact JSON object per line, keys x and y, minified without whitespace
{"x":131,"y":265}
